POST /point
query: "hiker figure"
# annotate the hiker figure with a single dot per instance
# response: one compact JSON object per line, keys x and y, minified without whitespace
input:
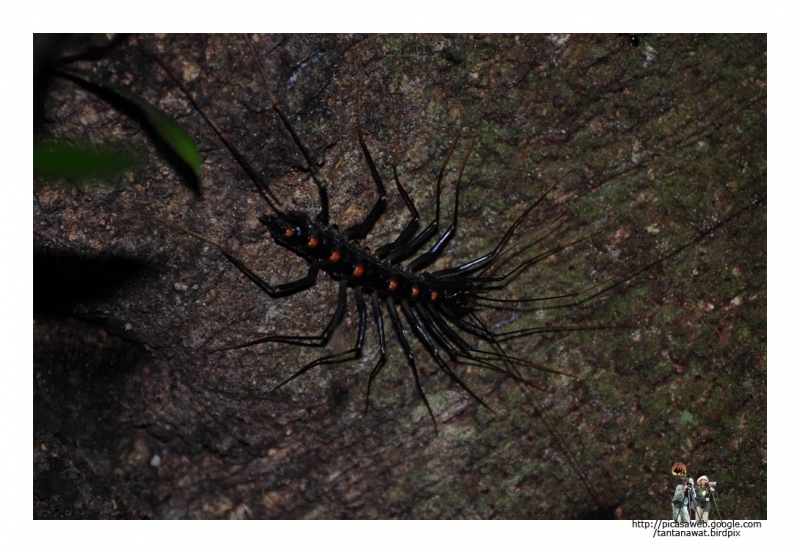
{"x":684,"y":495}
{"x":692,"y":498}
{"x":705,"y":495}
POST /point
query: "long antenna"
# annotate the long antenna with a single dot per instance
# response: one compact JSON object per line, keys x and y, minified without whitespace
{"x":272,"y":201}
{"x":319,"y":180}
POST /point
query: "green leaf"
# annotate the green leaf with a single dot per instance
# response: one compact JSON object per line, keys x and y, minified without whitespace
{"x":178,"y":140}
{"x":173,"y":134}
{"x":76,"y":162}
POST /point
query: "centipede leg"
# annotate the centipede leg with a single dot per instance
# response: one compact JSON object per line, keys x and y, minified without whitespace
{"x":376,"y":311}
{"x":412,"y":226}
{"x":276,"y":291}
{"x":404,"y":249}
{"x":401,"y":336}
{"x":318,"y":340}
{"x":446,"y":329}
{"x":322,"y":184}
{"x":362,"y":229}
{"x":437,"y":335}
{"x":444,"y":333}
{"x":342,"y":356}
{"x":431,"y":255}
{"x":279,"y":290}
{"x":487,"y":260}
{"x":431,"y":347}
{"x":551,"y":426}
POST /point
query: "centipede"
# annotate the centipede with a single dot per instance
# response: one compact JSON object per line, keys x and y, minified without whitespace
{"x":465,"y":276}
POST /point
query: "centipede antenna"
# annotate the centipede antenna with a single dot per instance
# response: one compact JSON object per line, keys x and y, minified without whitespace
{"x":433,"y":300}
{"x":319,"y":180}
{"x":272,"y":201}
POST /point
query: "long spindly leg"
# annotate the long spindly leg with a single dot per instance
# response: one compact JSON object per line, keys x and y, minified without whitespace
{"x":276,"y":291}
{"x":458,"y":348}
{"x":431,"y":347}
{"x":356,"y":232}
{"x":342,"y":356}
{"x":322,"y":184}
{"x":376,"y":311}
{"x":401,"y":249}
{"x":431,"y":255}
{"x":551,"y":426}
{"x":520,"y":333}
{"x":315,"y":341}
{"x":279,"y":290}
{"x":597,"y":290}
{"x":470,"y":355}
{"x":401,"y":335}
{"x":412,"y":226}
{"x":518,"y":250}
{"x":523,"y":266}
{"x":446,"y":339}
{"x":488,"y":259}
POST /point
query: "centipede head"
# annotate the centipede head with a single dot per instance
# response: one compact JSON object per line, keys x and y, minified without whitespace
{"x":290,"y":229}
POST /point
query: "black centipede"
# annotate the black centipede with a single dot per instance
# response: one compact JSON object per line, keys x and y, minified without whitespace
{"x":214,"y":383}
{"x":434,"y":304}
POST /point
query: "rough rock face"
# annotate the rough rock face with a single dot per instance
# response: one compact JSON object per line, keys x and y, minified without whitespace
{"x":135,"y":415}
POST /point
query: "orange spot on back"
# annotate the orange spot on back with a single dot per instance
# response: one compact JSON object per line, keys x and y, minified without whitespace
{"x":313,"y":243}
{"x":415,"y":291}
{"x":335,"y":257}
{"x":434,"y":295}
{"x":393,"y":285}
{"x":288,"y":233}
{"x":358,"y":271}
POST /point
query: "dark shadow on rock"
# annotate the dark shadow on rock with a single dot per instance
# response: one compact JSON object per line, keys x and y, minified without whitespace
{"x":81,"y":374}
{"x":61,"y":280}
